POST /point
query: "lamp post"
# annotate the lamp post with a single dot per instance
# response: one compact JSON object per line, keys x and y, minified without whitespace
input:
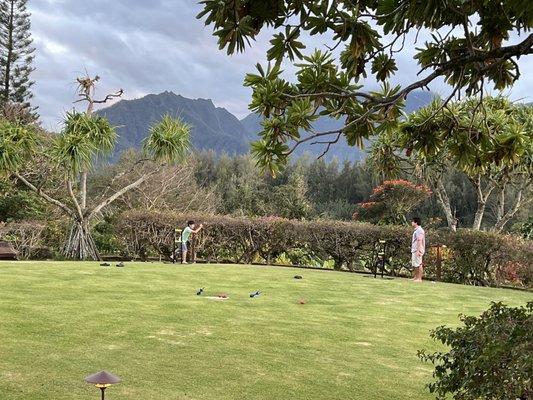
{"x":102,"y":380}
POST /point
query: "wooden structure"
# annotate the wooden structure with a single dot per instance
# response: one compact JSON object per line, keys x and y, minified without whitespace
{"x":7,"y":252}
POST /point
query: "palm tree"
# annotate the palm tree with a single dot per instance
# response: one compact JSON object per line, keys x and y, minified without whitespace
{"x":85,"y":138}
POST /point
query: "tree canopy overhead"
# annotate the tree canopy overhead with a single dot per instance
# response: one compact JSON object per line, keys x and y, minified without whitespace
{"x":471,"y":43}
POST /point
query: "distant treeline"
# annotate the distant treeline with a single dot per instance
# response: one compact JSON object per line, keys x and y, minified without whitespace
{"x":234,"y":185}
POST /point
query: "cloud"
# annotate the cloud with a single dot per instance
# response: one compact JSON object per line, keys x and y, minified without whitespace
{"x":152,"y":46}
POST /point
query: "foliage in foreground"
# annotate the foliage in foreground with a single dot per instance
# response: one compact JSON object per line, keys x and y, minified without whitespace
{"x":490,"y":356}
{"x":464,"y":42}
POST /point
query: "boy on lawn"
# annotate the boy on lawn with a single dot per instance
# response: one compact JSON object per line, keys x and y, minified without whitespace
{"x":185,"y":235}
{"x":418,"y":248}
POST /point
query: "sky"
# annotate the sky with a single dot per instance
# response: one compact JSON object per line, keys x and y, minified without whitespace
{"x":149,"y":46}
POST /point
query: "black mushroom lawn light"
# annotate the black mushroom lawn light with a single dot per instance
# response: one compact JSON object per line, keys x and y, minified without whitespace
{"x":102,"y":380}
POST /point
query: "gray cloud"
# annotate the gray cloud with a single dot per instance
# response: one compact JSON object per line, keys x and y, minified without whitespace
{"x":150,"y":46}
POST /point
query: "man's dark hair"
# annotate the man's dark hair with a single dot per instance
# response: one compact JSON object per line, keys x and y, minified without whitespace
{"x":417,"y":221}
{"x":189,"y":223}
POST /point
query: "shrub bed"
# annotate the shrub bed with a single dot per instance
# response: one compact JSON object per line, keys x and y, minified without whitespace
{"x":490,"y":356}
{"x":470,"y":257}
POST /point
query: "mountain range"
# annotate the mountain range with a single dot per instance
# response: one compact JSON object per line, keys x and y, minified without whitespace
{"x":215,"y":128}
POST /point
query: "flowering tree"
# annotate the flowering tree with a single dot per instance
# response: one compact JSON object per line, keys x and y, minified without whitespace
{"x":490,"y":142}
{"x":391,"y":201}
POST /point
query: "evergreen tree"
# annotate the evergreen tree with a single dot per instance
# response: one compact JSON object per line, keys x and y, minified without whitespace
{"x":16,"y":54}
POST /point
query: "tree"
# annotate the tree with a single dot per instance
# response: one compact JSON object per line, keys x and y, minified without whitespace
{"x":86,"y":137}
{"x":491,"y":142}
{"x":468,"y":45}
{"x":391,"y":201}
{"x":172,"y":187}
{"x":290,"y":199}
{"x":16,"y":53}
{"x":18,"y":203}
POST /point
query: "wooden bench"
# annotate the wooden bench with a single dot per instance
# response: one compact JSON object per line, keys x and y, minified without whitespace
{"x":7,"y":252}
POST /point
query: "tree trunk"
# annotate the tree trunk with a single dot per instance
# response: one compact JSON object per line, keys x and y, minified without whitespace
{"x":444,"y":201}
{"x":504,"y":217}
{"x":80,"y":244}
{"x":500,"y":206}
{"x":482,"y":197}
{"x":479,"y":214}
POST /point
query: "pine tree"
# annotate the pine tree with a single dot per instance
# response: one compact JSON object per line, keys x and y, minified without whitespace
{"x":16,"y":54}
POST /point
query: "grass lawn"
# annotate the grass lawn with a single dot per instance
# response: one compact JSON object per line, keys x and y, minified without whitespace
{"x":356,"y":338}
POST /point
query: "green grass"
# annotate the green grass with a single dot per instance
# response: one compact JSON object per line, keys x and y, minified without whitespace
{"x":356,"y":338}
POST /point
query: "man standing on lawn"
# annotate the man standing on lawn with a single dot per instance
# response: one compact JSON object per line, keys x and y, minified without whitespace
{"x":418,"y":248}
{"x":185,"y":235}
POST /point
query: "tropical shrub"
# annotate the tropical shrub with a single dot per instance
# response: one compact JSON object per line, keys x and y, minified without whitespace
{"x":391,"y":201}
{"x":489,"y":357}
{"x":481,"y":258}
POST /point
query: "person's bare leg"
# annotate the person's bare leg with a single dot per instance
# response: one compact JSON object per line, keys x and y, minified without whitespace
{"x":419,"y":274}
{"x":184,"y":257}
{"x":415,"y":273}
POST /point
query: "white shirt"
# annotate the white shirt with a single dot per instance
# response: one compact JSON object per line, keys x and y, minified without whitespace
{"x":418,"y":234}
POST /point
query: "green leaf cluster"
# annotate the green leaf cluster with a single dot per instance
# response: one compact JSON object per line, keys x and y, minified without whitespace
{"x":168,"y":141}
{"x":83,"y":138}
{"x":489,"y":357}
{"x":17,"y":143}
{"x":477,"y":138}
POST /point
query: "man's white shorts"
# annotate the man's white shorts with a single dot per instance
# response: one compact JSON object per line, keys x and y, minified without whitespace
{"x":416,"y":260}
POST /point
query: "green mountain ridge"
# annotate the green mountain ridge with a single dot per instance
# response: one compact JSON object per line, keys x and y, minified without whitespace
{"x":215,"y":128}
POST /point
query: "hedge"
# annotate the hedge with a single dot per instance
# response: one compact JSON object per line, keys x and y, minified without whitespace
{"x":470,"y":257}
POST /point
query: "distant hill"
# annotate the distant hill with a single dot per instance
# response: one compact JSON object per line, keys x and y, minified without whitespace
{"x":215,"y":128}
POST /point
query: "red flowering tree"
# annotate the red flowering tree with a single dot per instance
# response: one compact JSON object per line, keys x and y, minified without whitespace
{"x":391,"y":201}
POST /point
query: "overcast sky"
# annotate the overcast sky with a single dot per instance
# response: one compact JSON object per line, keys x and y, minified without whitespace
{"x":149,"y":46}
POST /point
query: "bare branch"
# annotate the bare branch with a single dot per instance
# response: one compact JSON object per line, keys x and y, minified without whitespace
{"x":74,"y":200}
{"x":123,"y":173}
{"x":335,"y":131}
{"x":329,"y":143}
{"x":86,"y":88}
{"x":445,"y":103}
{"x":119,"y":193}
{"x":45,"y":196}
